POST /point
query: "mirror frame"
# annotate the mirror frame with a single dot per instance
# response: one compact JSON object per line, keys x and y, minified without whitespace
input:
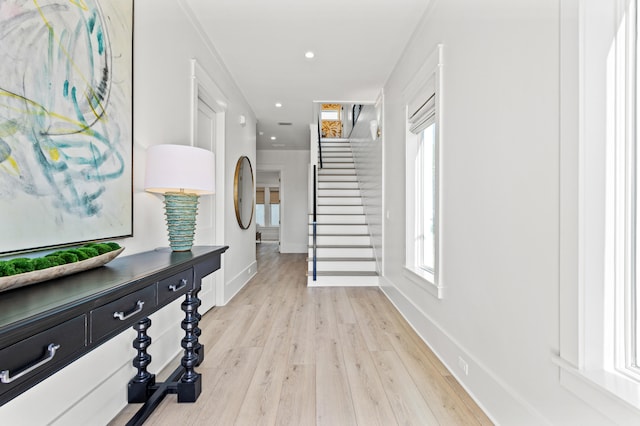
{"x":236,"y":189}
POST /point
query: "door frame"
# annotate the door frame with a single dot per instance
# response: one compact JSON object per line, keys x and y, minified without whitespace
{"x":205,"y":88}
{"x":280,"y":169}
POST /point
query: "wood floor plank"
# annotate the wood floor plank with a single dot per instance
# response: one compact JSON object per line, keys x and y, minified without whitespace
{"x":375,"y":336}
{"x":473,"y":407}
{"x":255,"y":335}
{"x":434,"y":388}
{"x":221,"y":402}
{"x":369,"y":399}
{"x":344,"y":310}
{"x":297,"y":404}
{"x":260,"y":404}
{"x":333,"y":396}
{"x":229,"y":339}
{"x":406,"y":401}
{"x":302,"y":346}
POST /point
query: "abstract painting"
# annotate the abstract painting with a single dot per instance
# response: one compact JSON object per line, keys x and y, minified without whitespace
{"x":65,"y":122}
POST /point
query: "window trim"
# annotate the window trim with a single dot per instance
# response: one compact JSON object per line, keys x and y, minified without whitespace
{"x":427,"y":83}
{"x":585,"y":369}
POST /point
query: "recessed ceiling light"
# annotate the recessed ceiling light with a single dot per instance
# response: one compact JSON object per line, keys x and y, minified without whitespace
{"x":261,"y":133}
{"x":278,"y":105}
{"x":273,"y":138}
{"x":309,"y":55}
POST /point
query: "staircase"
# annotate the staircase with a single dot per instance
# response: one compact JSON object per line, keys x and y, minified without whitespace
{"x":343,"y":243}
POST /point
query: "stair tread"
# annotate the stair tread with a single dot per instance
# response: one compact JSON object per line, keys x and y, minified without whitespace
{"x":345,"y":273}
{"x":342,"y":259}
{"x":340,"y":224}
{"x":319,"y":234}
{"x":354,"y":246}
{"x":337,"y":214}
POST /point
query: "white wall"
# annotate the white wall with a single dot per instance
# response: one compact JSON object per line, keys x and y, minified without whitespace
{"x":500,"y":205}
{"x":294,"y":223}
{"x":367,"y":156}
{"x":165,"y":41}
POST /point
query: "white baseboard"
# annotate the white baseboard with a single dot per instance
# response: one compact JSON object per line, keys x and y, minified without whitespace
{"x":238,"y":282}
{"x":500,"y":402}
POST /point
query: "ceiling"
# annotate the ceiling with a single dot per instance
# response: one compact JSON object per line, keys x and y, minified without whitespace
{"x":263,"y":43}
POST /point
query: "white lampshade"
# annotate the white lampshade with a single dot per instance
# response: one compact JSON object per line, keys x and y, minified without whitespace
{"x":180,"y":168}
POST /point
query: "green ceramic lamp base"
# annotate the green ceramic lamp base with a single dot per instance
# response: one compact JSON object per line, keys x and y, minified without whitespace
{"x":180,"y":210}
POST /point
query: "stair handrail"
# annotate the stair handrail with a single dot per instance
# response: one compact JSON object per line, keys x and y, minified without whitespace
{"x":320,"y":140}
{"x":314,"y":224}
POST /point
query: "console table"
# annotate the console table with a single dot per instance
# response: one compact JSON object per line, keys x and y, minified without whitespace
{"x":46,"y":326}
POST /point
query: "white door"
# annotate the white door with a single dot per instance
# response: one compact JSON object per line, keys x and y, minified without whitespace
{"x":205,"y":223}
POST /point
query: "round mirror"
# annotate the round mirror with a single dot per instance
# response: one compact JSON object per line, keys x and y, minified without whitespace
{"x":243,"y":192}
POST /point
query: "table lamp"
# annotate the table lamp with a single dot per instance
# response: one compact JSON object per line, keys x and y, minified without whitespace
{"x":182,"y":173}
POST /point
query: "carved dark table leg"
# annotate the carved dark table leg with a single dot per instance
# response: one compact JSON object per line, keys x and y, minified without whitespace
{"x":199,"y":348}
{"x":190,"y":384}
{"x":143,"y":380}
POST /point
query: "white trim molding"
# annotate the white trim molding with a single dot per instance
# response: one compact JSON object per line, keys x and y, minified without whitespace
{"x":205,"y":88}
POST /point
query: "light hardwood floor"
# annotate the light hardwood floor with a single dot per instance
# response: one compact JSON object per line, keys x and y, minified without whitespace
{"x":283,"y":354}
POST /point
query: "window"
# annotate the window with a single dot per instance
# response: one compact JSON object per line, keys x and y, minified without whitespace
{"x":260,"y":216}
{"x":622,"y":213}
{"x":423,"y":138}
{"x":268,"y":206}
{"x":425,"y":195}
{"x":599,"y":304}
{"x":330,"y":115}
{"x":621,"y":216}
{"x":274,"y":199}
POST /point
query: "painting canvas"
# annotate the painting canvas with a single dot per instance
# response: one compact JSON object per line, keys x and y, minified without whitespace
{"x":65,"y":122}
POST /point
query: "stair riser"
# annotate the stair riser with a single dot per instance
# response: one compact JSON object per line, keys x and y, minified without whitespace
{"x":340,"y":229}
{"x":322,"y":266}
{"x":333,"y":159}
{"x":343,"y":281}
{"x":339,"y":201}
{"x":341,"y":240}
{"x":324,"y":209}
{"x":336,"y":165}
{"x":326,"y":192}
{"x":326,"y":143}
{"x":330,"y":154}
{"x":342,"y":252}
{"x":337,"y":185}
{"x":337,"y":178}
{"x":333,"y":172}
{"x":326,"y":219}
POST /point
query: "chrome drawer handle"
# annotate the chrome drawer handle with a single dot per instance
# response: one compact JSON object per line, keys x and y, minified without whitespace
{"x":176,"y":287}
{"x":51,"y":352}
{"x":122,"y":316}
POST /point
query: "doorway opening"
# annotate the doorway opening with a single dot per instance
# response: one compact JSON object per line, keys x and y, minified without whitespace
{"x":268,"y":207}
